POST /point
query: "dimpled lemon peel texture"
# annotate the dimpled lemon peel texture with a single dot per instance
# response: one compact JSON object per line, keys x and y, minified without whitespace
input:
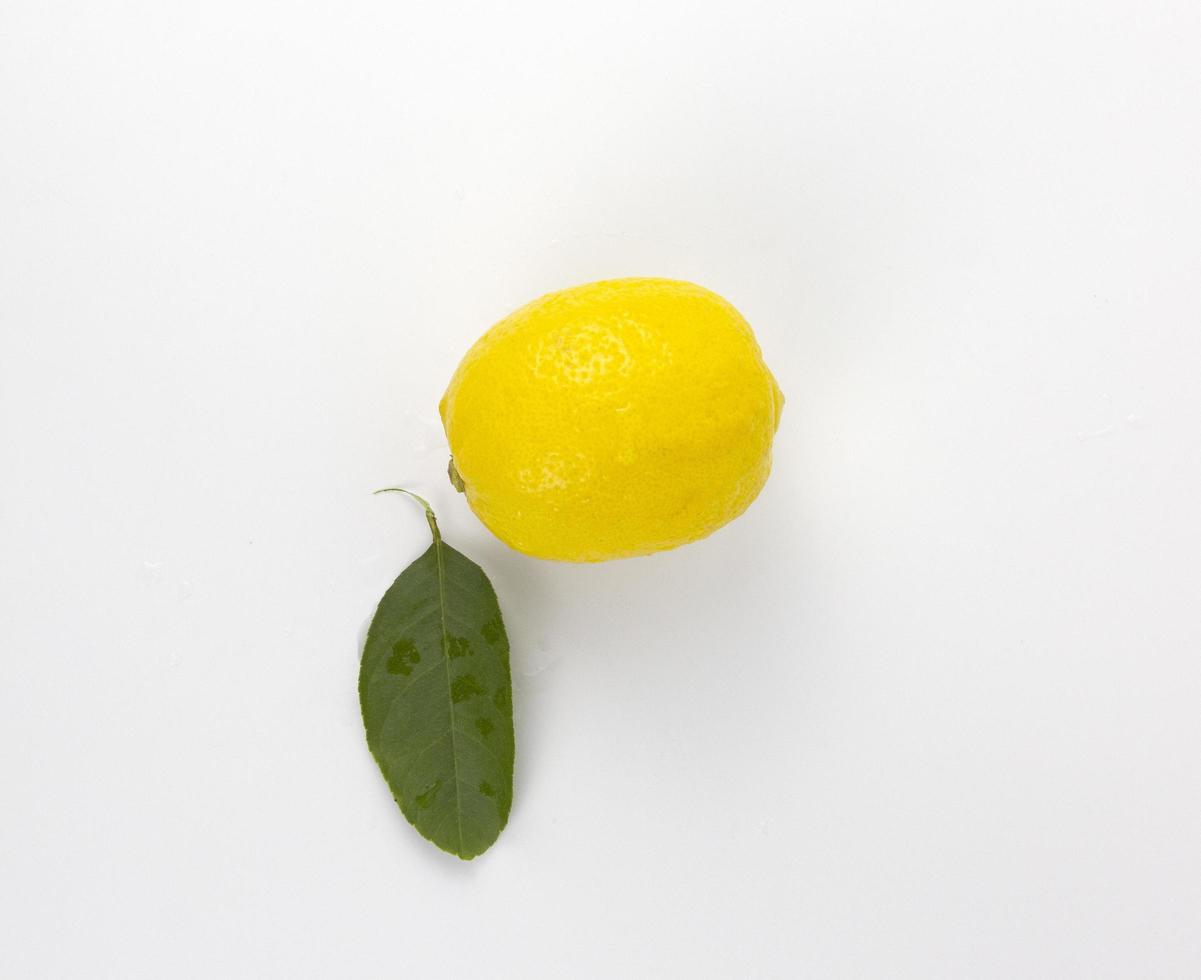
{"x":613,"y":419}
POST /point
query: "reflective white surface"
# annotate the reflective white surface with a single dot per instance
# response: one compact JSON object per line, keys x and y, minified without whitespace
{"x":929,"y":709}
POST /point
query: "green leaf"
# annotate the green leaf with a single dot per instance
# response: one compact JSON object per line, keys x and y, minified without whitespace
{"x":437,"y":700}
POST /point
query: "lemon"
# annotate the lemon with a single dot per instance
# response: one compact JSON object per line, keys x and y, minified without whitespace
{"x":612,"y":419}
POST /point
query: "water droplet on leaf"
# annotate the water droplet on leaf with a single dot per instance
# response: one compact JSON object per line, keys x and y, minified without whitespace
{"x":464,"y":687}
{"x":404,"y":656}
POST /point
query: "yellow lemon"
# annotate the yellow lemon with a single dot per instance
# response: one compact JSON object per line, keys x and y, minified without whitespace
{"x":612,"y":419}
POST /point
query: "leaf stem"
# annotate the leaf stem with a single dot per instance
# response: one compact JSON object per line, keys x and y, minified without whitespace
{"x":429,"y":511}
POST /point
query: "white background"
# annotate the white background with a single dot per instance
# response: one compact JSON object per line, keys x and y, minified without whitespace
{"x":929,"y":709}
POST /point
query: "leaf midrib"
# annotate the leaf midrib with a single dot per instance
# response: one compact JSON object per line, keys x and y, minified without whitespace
{"x":454,"y":747}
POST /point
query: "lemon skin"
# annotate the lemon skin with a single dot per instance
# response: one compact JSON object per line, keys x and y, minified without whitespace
{"x":613,"y":419}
